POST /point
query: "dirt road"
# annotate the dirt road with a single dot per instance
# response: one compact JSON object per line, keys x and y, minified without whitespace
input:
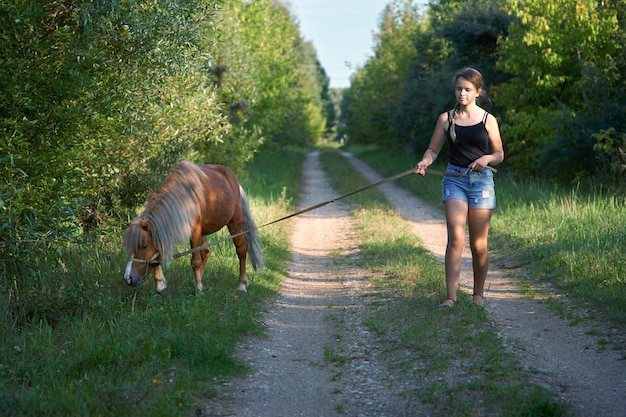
{"x":294,"y":373}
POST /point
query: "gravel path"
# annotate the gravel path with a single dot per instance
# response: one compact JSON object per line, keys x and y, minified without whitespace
{"x":291,"y":377}
{"x":322,"y":301}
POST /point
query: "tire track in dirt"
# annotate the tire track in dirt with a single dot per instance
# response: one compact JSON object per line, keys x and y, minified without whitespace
{"x":289,"y":377}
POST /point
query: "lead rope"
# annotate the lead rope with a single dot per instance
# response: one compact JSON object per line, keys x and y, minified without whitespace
{"x":297,"y":213}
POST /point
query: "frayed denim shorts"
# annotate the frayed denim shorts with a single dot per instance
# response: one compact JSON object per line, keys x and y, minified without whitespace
{"x":475,"y":188}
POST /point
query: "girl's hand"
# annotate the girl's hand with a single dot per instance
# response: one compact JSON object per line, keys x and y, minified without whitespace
{"x":480,"y":164}
{"x":420,"y":168}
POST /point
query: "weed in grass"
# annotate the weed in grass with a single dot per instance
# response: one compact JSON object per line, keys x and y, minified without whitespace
{"x":337,"y":376}
{"x":575,"y":322}
{"x":526,"y":288}
{"x":330,"y":356}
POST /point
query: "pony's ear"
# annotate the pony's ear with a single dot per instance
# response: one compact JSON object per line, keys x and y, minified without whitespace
{"x":144,"y":225}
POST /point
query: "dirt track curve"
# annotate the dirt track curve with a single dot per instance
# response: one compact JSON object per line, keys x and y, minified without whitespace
{"x":292,"y":375}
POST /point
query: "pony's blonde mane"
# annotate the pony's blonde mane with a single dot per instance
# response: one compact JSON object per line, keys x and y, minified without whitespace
{"x":171,"y":211}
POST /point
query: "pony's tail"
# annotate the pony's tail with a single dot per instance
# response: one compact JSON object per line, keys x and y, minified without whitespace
{"x":254,"y":248}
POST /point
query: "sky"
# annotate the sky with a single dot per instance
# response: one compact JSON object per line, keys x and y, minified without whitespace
{"x":342,"y":32}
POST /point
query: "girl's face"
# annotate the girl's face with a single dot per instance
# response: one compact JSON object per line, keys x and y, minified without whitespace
{"x":466,"y":92}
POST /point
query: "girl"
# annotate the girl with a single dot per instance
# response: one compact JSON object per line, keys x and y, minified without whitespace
{"x":474,"y":139}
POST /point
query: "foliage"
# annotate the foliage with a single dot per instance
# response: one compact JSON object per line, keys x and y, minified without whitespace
{"x":98,"y":101}
{"x":373,"y":97}
{"x":472,"y":29}
{"x":457,"y":34}
{"x":268,"y":76}
{"x":555,"y":72}
{"x":563,"y":60}
{"x":429,"y":49}
{"x":610,"y":147}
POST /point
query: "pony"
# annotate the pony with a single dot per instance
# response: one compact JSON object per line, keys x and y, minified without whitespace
{"x":193,"y":202}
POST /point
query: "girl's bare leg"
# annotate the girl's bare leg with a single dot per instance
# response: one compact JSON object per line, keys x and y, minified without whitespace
{"x":456,"y":217}
{"x":479,"y":231}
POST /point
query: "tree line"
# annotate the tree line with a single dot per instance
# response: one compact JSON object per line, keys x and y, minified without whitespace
{"x":100,"y":98}
{"x":555,"y":73}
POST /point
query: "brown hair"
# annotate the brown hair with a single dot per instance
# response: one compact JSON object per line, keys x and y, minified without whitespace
{"x":471,"y":75}
{"x":474,"y":77}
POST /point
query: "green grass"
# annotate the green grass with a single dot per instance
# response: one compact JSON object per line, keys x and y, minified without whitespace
{"x":571,"y":239}
{"x":455,"y":357}
{"x":75,"y":340}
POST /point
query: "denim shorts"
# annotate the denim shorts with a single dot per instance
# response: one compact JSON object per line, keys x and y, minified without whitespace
{"x":475,"y":188}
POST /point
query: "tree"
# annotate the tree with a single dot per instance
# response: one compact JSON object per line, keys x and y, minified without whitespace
{"x":559,"y":54}
{"x":268,"y":76}
{"x":373,"y":97}
{"x":98,"y":101}
{"x":102,"y":91}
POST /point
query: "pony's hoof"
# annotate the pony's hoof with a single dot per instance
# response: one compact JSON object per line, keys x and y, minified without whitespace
{"x":241,"y":289}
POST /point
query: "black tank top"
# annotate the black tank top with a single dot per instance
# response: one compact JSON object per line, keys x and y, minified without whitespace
{"x":471,"y":143}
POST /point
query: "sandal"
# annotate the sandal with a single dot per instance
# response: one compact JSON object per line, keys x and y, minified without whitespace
{"x":446,"y":305}
{"x":481,"y":302}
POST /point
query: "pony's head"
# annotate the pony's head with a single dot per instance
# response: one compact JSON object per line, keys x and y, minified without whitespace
{"x":141,"y":251}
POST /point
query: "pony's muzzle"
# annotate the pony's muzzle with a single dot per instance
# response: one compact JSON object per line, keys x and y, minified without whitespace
{"x":128,"y":275}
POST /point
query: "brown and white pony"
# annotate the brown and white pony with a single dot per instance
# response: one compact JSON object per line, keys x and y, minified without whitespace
{"x":193,"y":202}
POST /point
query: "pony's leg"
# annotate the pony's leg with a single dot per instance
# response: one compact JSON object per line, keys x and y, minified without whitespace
{"x":159,"y":279}
{"x":241,"y":246}
{"x":200,"y":258}
{"x":198,"y":263}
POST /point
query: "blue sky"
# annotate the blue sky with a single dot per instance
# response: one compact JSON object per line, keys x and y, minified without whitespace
{"x":341,"y":31}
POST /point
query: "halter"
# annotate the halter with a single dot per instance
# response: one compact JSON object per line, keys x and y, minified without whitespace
{"x":149,"y":262}
{"x":152,"y":261}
